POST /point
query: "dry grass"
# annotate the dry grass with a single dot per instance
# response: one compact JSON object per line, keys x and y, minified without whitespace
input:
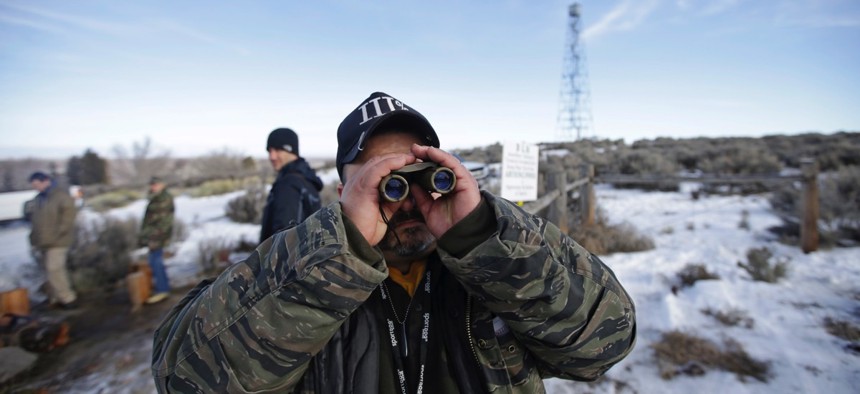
{"x":606,"y":239}
{"x":692,"y":273}
{"x":678,"y":353}
{"x":115,"y":199}
{"x":731,"y":318}
{"x":842,"y":329}
{"x":760,"y":268}
{"x":216,"y":187}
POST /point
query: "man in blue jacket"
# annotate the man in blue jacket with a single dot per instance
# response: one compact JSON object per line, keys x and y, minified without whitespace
{"x":295,"y":192}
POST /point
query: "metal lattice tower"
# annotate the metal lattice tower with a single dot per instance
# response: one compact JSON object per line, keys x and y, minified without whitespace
{"x":574,"y":112}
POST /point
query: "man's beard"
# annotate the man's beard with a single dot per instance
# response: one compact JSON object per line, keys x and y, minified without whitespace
{"x":414,"y":241}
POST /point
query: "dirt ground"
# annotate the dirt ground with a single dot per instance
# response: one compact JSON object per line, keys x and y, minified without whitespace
{"x":109,"y":350}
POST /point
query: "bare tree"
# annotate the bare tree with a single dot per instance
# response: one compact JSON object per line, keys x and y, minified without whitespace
{"x":223,"y":163}
{"x":137,"y":167}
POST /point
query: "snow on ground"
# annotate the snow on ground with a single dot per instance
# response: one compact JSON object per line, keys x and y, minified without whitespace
{"x":787,"y":330}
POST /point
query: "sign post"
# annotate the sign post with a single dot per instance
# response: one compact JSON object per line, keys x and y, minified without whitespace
{"x":519,"y":171}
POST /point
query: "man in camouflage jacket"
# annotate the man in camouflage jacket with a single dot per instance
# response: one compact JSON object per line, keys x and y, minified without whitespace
{"x":155,"y":233}
{"x":502,"y":300}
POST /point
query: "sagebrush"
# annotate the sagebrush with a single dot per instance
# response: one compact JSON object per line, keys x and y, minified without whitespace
{"x":760,"y":267}
{"x":101,"y":252}
{"x":248,"y":207}
{"x":679,"y":353}
{"x":692,"y":273}
{"x":114,"y":199}
{"x":731,"y":317}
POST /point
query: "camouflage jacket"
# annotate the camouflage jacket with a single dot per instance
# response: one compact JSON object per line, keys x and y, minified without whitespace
{"x":263,"y":325}
{"x":52,"y":219}
{"x":157,"y":227}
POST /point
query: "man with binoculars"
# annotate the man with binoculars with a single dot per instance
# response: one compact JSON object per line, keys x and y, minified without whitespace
{"x":415,"y":281}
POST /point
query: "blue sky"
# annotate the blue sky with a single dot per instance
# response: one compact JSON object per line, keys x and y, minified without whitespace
{"x":203,"y":76}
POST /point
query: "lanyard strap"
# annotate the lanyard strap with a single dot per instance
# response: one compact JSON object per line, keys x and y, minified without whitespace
{"x":400,"y":348}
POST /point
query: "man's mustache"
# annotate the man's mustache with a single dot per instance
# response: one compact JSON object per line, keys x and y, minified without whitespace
{"x":402,"y":216}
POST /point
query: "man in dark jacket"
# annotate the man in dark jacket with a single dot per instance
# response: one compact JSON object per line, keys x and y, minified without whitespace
{"x":155,"y":234}
{"x":52,"y":218}
{"x":295,"y":193}
{"x":461,"y":292}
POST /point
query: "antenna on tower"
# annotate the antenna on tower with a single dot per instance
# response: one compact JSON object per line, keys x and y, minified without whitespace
{"x":574,"y":113}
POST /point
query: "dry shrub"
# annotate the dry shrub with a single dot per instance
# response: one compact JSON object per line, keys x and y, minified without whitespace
{"x":115,"y":199}
{"x":220,"y":163}
{"x":692,"y":273}
{"x":213,"y":255}
{"x":732,"y":317}
{"x":740,"y":156}
{"x":842,"y":329}
{"x":678,"y":353}
{"x":840,"y":203}
{"x":648,"y":164}
{"x":248,"y":208}
{"x":602,"y":237}
{"x":101,"y":252}
{"x":744,"y":224}
{"x":606,"y":239}
{"x":216,"y":187}
{"x":180,"y":231}
{"x":760,"y":268}
{"x":487,"y":154}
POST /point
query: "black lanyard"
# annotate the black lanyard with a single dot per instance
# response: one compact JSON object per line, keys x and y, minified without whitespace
{"x":400,"y":352}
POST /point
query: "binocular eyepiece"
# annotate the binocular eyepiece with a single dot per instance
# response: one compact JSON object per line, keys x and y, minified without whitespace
{"x":431,"y":176}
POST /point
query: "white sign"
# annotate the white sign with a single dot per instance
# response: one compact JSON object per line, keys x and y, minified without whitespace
{"x":519,"y":171}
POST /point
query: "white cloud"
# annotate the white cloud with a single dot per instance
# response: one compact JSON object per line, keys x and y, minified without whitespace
{"x":625,"y":16}
{"x":27,"y":22}
{"x":46,"y":20}
{"x":72,"y":20}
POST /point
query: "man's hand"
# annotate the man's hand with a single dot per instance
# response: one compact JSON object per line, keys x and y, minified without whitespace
{"x":443,"y":212}
{"x":360,"y":197}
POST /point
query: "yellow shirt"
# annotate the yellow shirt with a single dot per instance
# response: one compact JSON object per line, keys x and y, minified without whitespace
{"x":410,"y":280}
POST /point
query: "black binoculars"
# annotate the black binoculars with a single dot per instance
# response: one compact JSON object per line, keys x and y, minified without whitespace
{"x":431,"y":176}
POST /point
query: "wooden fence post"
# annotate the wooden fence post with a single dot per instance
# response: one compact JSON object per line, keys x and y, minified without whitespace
{"x":809,"y":226}
{"x":557,"y":213}
{"x":589,"y":199}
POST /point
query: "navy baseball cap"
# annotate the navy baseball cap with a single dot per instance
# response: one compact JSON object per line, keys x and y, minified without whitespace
{"x":374,"y":111}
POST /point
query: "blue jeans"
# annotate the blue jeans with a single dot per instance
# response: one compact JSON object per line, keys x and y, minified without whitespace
{"x":159,"y":274}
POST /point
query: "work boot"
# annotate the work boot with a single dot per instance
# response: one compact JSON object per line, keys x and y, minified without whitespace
{"x":158,"y":297}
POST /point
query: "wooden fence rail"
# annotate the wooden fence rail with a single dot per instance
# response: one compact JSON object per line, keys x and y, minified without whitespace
{"x":555,"y":200}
